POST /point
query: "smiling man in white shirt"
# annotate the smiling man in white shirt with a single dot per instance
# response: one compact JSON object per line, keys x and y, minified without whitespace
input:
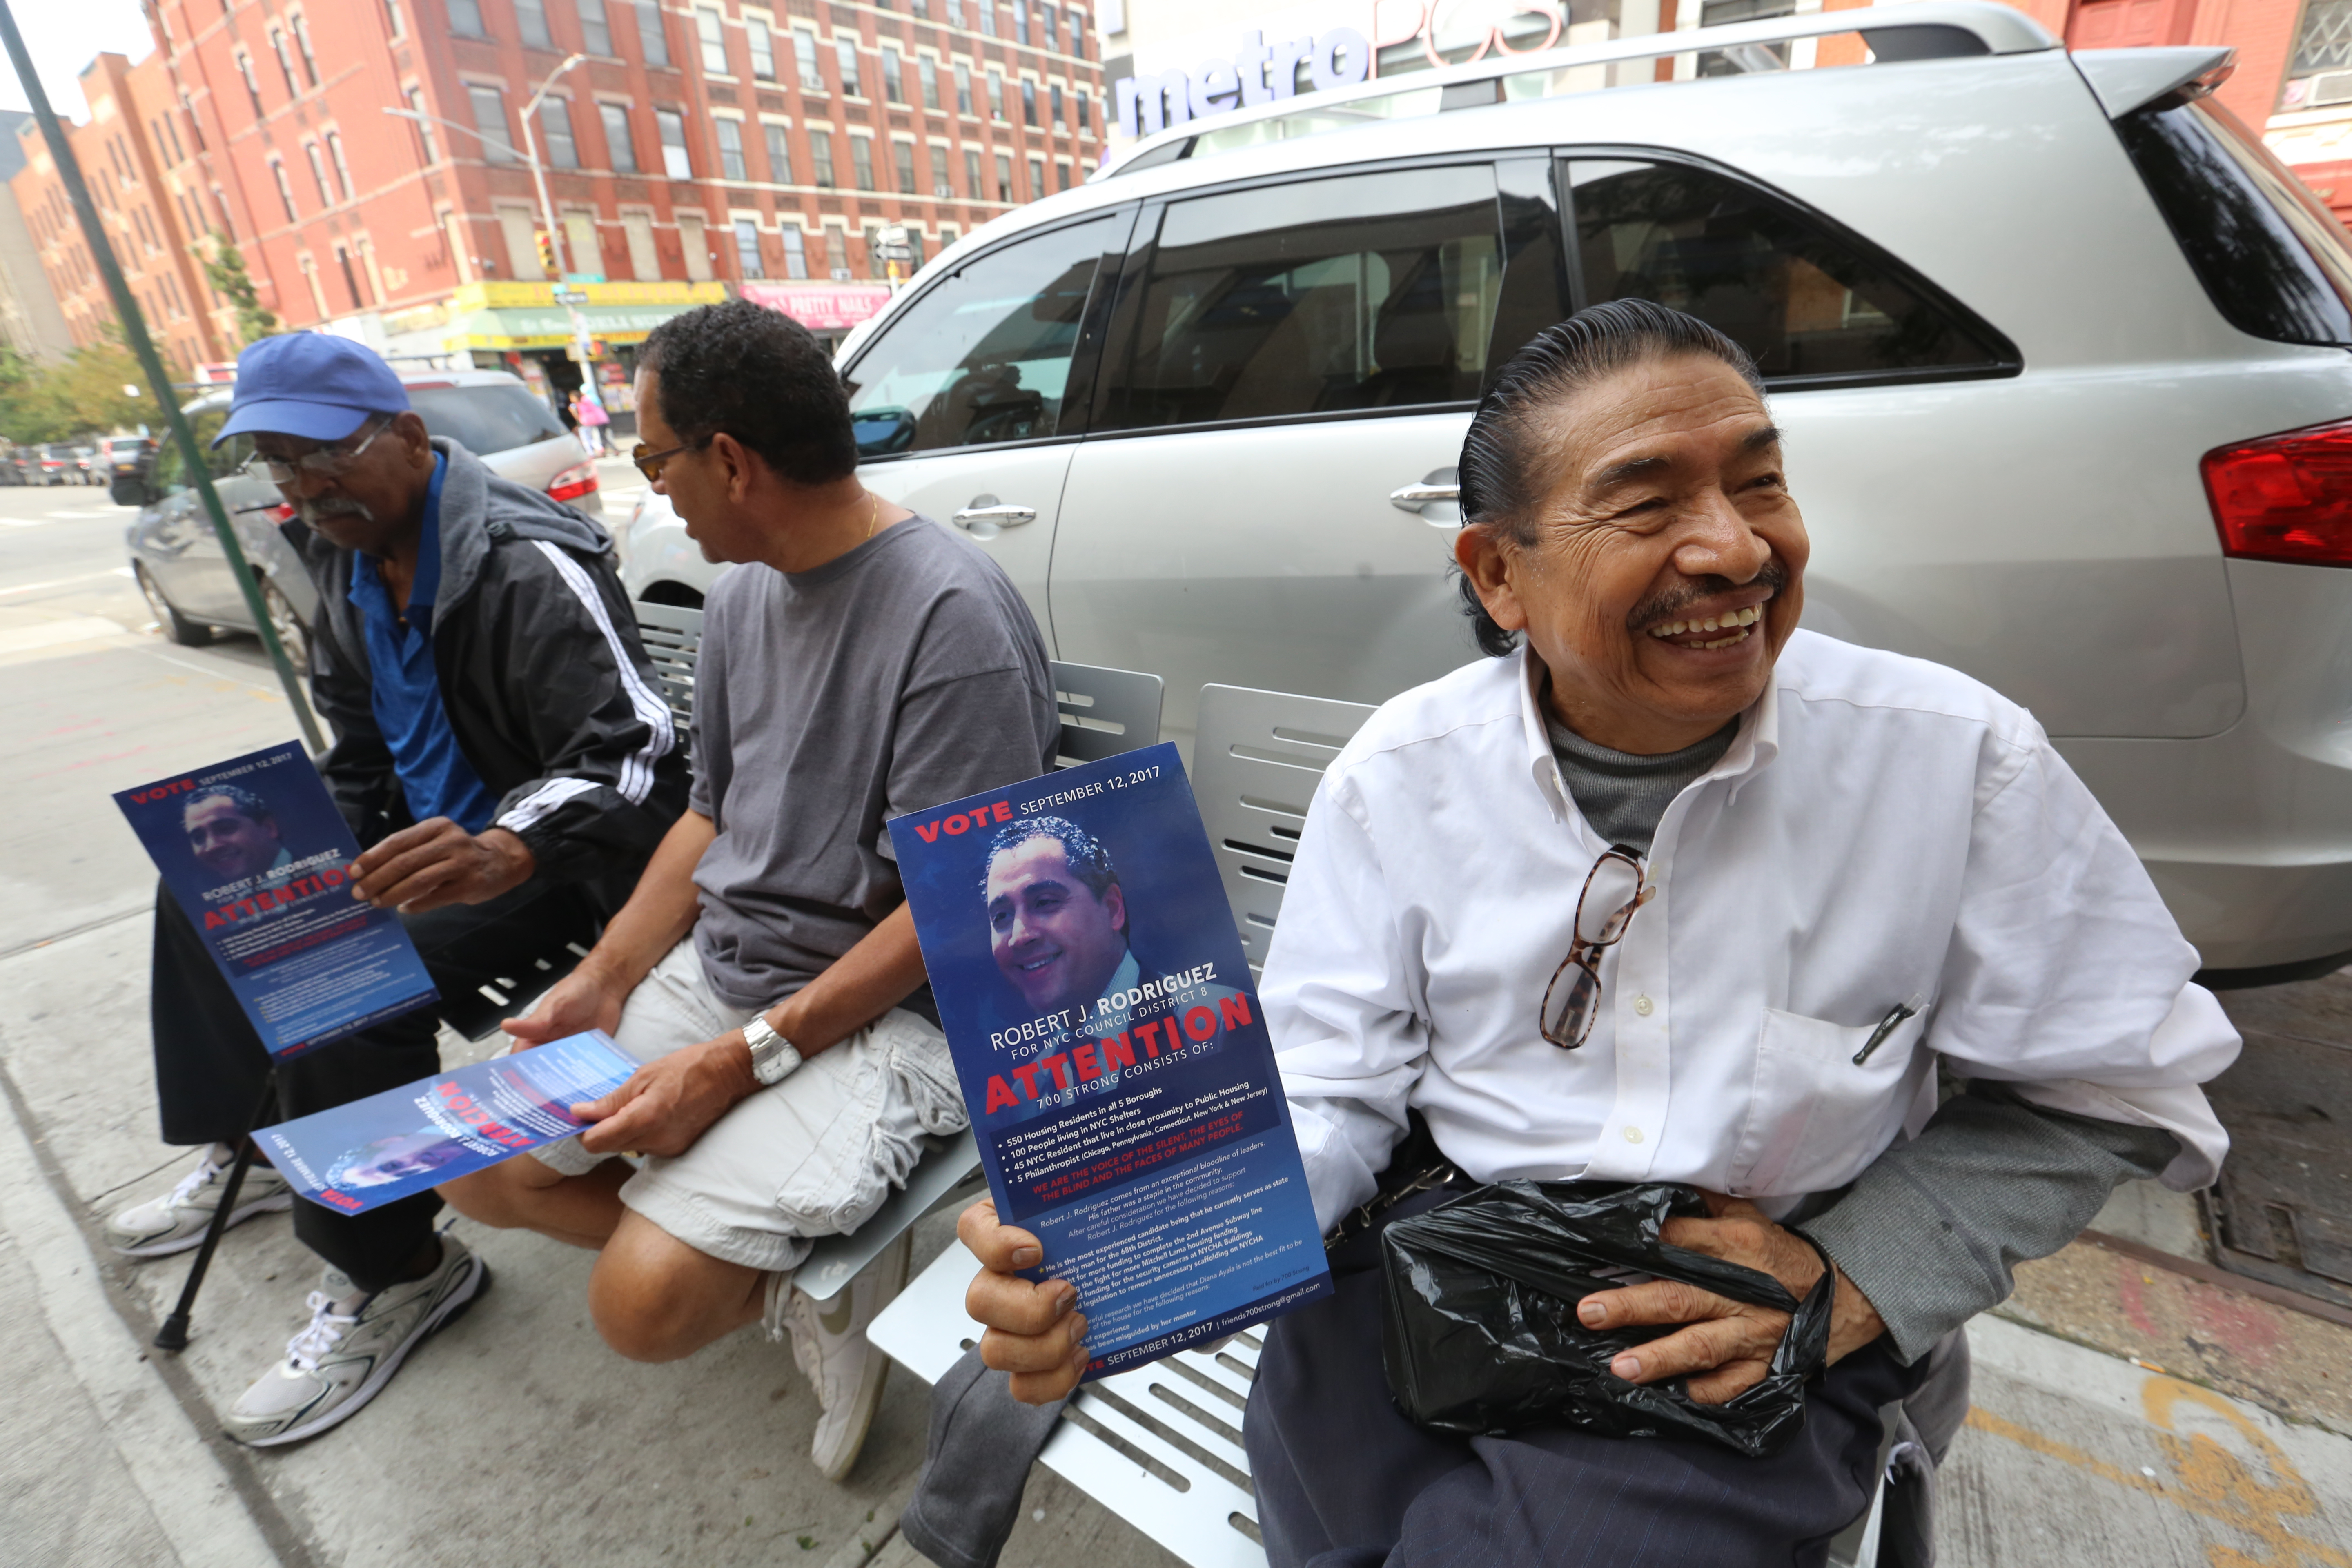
{"x":1670,"y":890}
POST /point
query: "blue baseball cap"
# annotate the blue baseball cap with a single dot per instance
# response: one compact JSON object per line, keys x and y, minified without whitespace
{"x":315,"y":386}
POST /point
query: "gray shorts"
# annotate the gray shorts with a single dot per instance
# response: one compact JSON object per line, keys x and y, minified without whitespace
{"x":813,"y":1155}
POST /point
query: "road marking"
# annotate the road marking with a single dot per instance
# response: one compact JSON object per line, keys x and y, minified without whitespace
{"x":80,"y":628}
{"x":65,"y":581}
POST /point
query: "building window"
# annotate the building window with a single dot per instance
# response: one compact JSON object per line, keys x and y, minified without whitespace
{"x":837,"y":252}
{"x":780,"y":155}
{"x":319,"y":172}
{"x":1047,"y":14}
{"x":252,"y":86}
{"x":1086,"y":124}
{"x":875,"y":266}
{"x":555,"y":127}
{"x":351,"y":279}
{"x":1036,"y":178}
{"x":394,"y":20}
{"x":1059,"y":123}
{"x":652,"y":38}
{"x":987,"y":9}
{"x":595,"y":30}
{"x":709,"y":29}
{"x":955,"y":12}
{"x":927,"y":77}
{"x":939,"y":166}
{"x":284,"y":188}
{"x":894,"y":77}
{"x":196,"y":126}
{"x":490,"y":119}
{"x":747,"y":248}
{"x":996,"y":95}
{"x":675,"y":162}
{"x":423,"y":127}
{"x":1061,"y":174}
{"x":730,"y":151}
{"x":948,"y":234}
{"x":466,"y":18}
{"x":302,"y":43}
{"x":821,"y":158}
{"x":1021,"y":23}
{"x":220,"y":200}
{"x":1029,"y":104}
{"x":619,"y":148}
{"x":796,"y":253}
{"x":285,"y":60}
{"x":861,"y":160}
{"x":1004,"y":177}
{"x":530,"y":20}
{"x":342,"y":164}
{"x":964,"y":90}
{"x":762,"y":45}
{"x":902,"y":155}
{"x":804,"y":60}
{"x":972,"y":189}
{"x":845,"y":52}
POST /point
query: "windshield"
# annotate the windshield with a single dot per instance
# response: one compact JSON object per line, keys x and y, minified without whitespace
{"x":485,"y":420}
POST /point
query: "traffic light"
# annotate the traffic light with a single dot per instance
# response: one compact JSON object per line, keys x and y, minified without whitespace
{"x":546,"y":250}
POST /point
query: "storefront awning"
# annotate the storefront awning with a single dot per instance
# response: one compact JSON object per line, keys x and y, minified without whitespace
{"x":526,"y":315}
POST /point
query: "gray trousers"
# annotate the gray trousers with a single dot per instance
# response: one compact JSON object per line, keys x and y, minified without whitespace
{"x":1345,"y":1481}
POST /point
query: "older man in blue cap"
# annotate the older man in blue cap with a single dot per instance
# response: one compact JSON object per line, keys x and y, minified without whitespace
{"x":508,"y":767}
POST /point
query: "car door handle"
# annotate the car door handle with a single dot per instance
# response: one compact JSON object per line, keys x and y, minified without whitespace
{"x":986,"y":515}
{"x":1412,"y":498}
{"x":1436,"y":498}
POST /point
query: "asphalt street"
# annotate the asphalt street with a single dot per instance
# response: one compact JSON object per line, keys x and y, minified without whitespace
{"x":516,"y":1437}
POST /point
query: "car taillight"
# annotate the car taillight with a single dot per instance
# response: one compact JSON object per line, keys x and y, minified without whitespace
{"x":573,"y":482}
{"x":2287,"y":497}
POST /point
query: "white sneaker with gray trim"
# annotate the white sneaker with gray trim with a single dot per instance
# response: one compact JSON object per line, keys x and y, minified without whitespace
{"x":353,"y":1345}
{"x":830,"y":1345}
{"x":175,"y":1221}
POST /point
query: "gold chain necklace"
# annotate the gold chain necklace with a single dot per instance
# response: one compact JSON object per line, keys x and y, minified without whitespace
{"x":872,"y":516}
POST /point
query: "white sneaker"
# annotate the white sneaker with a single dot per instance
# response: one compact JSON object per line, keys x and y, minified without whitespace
{"x":829,"y":1343}
{"x":176,"y":1220}
{"x":353,"y":1345}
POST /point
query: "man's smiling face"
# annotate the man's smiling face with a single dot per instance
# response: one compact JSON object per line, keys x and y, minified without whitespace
{"x":1666,"y":567}
{"x":226,"y":841}
{"x":1053,"y":938}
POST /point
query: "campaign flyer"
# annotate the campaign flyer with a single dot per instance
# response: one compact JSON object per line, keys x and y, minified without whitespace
{"x":257,"y":854}
{"x":381,"y":1149}
{"x":1113,"y":1052}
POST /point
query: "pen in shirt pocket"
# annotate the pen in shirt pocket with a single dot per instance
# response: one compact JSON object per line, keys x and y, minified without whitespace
{"x":1887,"y":1026}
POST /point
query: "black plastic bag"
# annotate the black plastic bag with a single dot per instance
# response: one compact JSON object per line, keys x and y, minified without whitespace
{"x":1479,"y":1331}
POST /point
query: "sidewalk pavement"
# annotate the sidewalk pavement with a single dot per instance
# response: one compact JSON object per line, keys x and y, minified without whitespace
{"x":516,"y":1437}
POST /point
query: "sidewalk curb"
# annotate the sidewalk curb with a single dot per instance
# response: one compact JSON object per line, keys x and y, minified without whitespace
{"x":201,"y":1489}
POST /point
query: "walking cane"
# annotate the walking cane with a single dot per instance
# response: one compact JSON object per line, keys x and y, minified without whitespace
{"x":174,"y":1334}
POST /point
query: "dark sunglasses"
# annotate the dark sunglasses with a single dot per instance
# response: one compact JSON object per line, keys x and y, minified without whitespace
{"x":650,"y":463}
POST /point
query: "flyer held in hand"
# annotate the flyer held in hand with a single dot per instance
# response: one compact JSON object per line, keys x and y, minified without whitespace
{"x":1113,"y":1053}
{"x":381,"y":1149}
{"x":259,"y":856}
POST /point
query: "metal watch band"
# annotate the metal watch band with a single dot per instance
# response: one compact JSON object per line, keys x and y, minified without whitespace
{"x":773,"y":1057}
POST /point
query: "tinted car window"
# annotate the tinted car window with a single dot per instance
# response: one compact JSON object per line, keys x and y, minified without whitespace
{"x":984,"y":356}
{"x":1319,"y":297}
{"x":484,"y":419}
{"x":2271,"y":258}
{"x":1801,"y":302}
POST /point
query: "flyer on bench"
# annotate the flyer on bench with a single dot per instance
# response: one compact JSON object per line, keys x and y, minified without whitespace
{"x":1112,"y":1051}
{"x":257,"y":854}
{"x":388,"y":1146}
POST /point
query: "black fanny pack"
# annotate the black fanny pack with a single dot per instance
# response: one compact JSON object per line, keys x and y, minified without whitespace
{"x":1479,"y":1331}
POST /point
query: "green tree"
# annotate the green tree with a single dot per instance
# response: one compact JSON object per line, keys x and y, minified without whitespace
{"x":225,"y":270}
{"x":81,"y":394}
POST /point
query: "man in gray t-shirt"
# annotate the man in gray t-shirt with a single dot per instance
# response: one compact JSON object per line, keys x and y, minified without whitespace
{"x":859,"y":663}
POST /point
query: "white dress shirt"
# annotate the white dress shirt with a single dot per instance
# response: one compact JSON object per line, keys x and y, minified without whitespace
{"x":1882,"y":831}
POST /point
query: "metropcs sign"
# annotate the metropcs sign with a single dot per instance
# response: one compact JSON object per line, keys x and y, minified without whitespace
{"x":1335,"y":44}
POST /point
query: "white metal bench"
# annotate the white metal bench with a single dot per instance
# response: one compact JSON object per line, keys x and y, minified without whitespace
{"x":673,"y":638}
{"x":1160,"y":1446}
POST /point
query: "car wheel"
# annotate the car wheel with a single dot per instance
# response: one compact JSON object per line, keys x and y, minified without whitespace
{"x":177,"y":626}
{"x":292,"y":634}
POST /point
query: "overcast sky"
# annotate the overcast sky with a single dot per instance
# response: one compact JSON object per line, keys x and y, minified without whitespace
{"x":64,"y":37}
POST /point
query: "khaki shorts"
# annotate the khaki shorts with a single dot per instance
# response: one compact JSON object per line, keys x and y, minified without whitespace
{"x":813,"y":1155}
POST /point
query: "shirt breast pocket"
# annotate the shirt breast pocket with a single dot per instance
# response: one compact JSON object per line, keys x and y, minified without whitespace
{"x":1815,"y":1117}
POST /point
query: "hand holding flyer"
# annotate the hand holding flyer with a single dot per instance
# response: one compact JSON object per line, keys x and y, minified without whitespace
{"x":1112,"y":1051}
{"x":376,"y":1150}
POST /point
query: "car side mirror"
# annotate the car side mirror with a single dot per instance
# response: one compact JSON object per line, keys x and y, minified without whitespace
{"x":131,"y":490}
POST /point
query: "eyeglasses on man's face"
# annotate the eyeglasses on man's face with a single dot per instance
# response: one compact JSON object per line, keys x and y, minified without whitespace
{"x":1613,"y":890}
{"x":650,"y":463}
{"x":326,"y":463}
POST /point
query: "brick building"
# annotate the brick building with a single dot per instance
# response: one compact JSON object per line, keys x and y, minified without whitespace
{"x":695,"y":147}
{"x":138,"y":161}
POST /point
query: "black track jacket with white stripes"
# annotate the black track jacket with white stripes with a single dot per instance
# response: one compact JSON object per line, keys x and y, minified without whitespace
{"x":547,"y":687}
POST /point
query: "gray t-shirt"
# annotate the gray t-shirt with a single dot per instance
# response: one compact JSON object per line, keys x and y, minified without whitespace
{"x":1622,"y":794}
{"x":905,"y":673}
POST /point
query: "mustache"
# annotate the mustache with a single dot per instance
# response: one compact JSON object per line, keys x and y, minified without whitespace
{"x":1668,"y":605}
{"x":310,"y":511}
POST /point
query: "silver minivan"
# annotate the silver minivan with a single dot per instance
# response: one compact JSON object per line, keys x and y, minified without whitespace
{"x":184,"y":572}
{"x":2059,"y":349}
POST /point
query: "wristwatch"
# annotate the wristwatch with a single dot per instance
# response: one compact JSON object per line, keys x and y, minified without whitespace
{"x":773,"y":1057}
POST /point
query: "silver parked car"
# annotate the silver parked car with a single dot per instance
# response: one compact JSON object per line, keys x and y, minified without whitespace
{"x":183,"y":572}
{"x":2059,"y":349}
